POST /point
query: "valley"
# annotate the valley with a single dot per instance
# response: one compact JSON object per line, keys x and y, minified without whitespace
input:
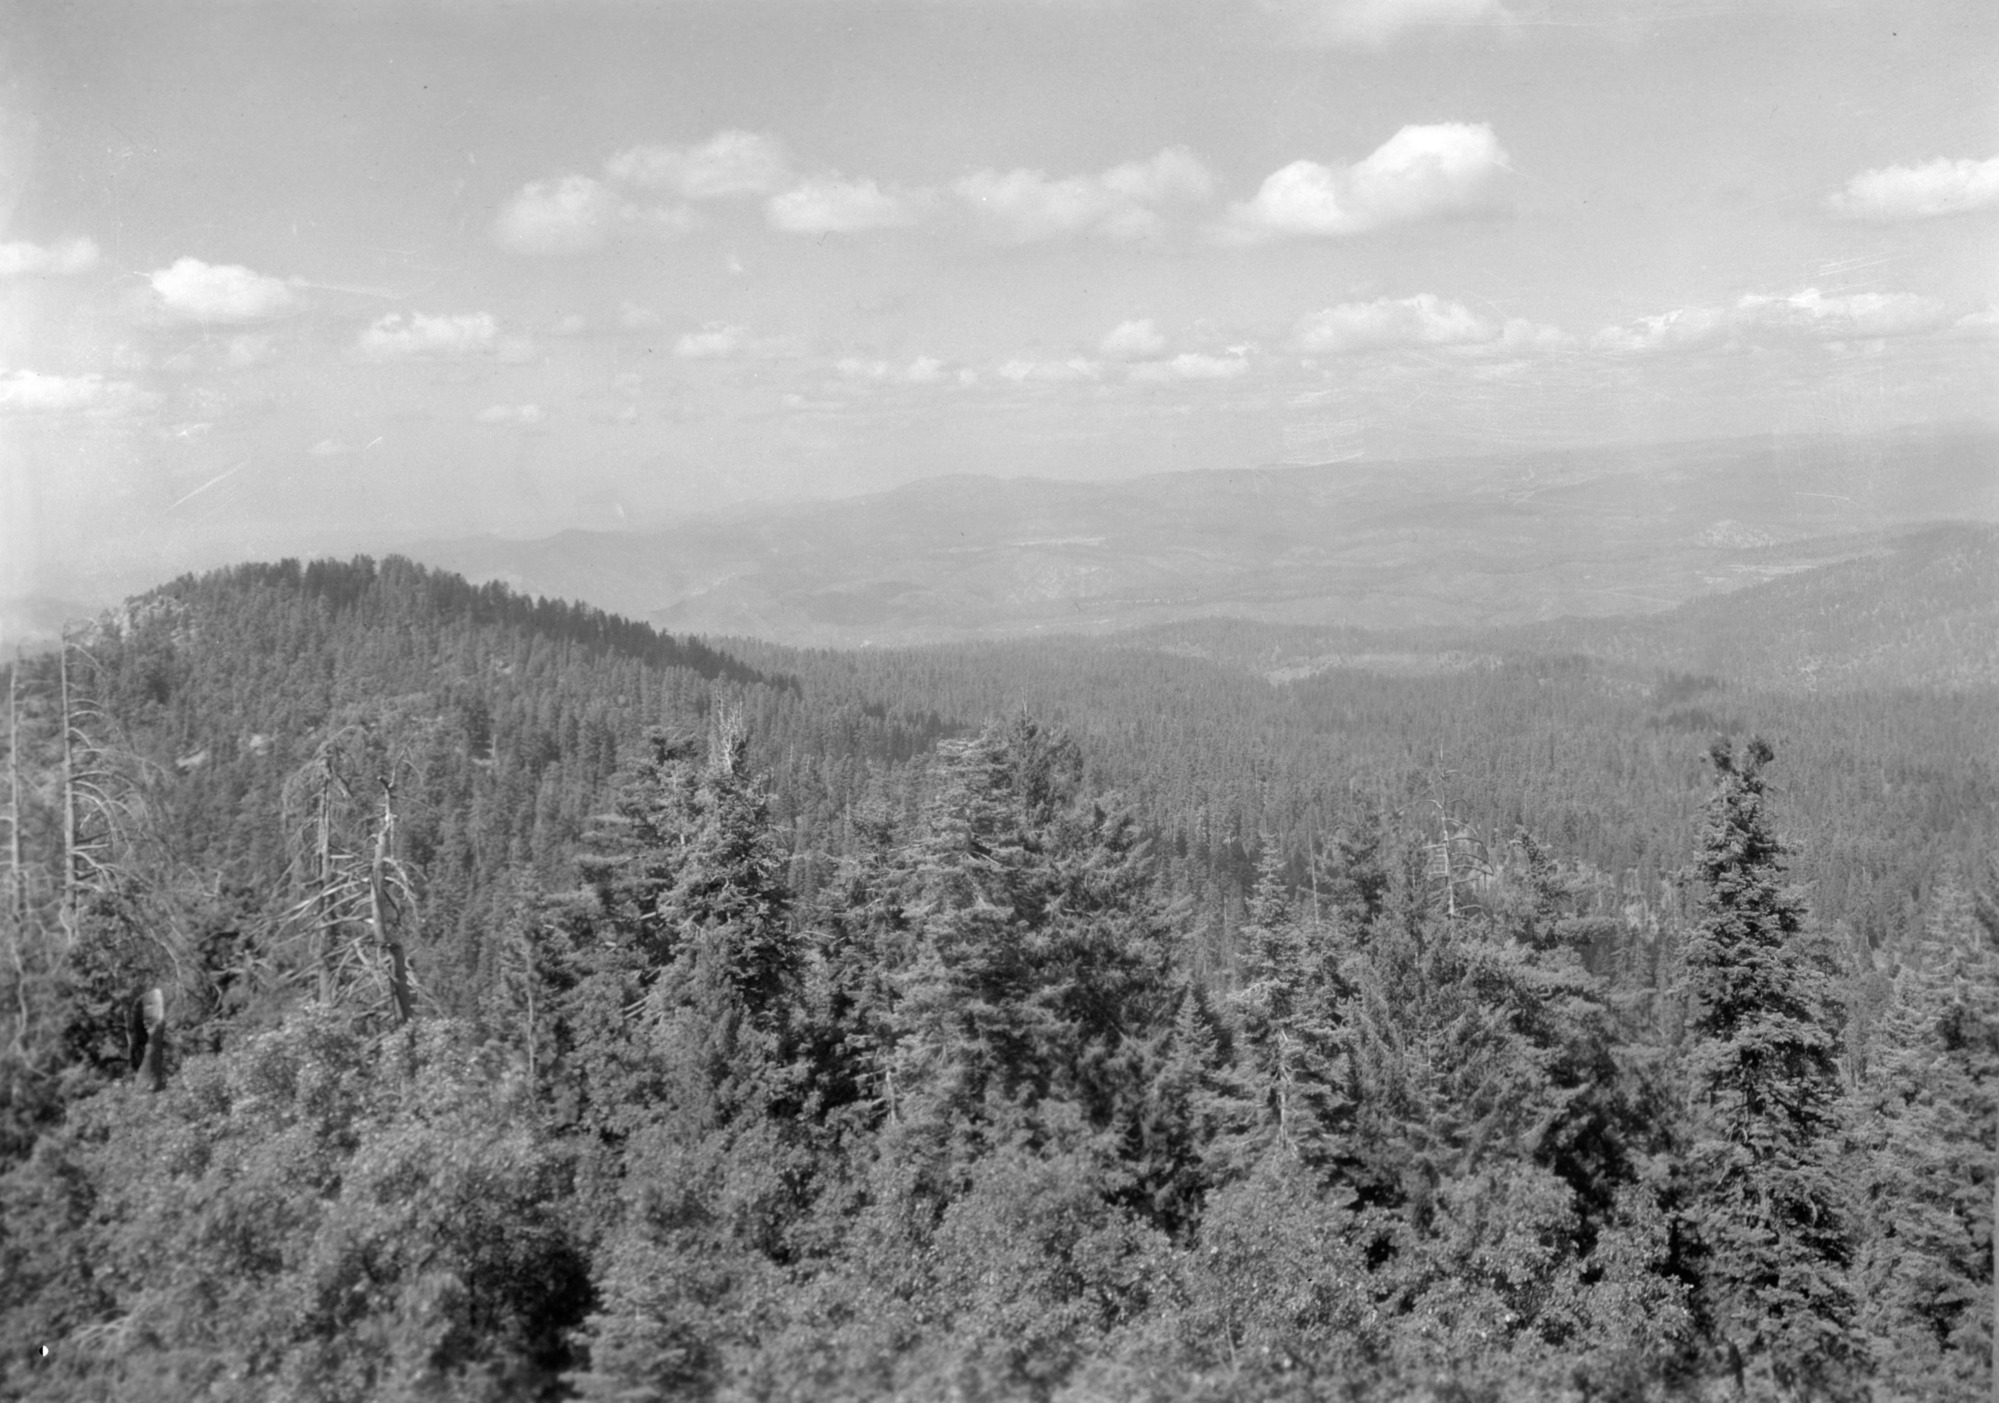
{"x":1473,"y":543}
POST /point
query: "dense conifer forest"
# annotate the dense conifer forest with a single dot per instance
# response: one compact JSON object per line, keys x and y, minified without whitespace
{"x":414,"y":990}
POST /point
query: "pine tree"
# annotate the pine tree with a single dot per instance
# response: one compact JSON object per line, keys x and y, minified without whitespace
{"x":1763,"y":1196}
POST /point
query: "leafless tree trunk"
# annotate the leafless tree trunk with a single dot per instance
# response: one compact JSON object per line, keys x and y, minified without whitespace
{"x":16,"y":897}
{"x":381,"y":910}
{"x":329,"y":921}
{"x":69,"y":880}
{"x":146,"y":1033}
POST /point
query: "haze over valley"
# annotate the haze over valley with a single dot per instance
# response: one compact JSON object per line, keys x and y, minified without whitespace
{"x":1464,"y":542}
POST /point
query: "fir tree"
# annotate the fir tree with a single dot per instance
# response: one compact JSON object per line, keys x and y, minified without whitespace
{"x":1355,"y":875}
{"x":1284,"y":1024}
{"x":1039,"y":952}
{"x":1763,"y":1198}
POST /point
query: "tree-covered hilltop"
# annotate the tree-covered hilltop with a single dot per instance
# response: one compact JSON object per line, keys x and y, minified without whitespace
{"x":415,"y":991}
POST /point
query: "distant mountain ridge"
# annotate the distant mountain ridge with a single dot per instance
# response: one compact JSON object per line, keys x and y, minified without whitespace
{"x":1468,"y":542}
{"x":1920,"y":608}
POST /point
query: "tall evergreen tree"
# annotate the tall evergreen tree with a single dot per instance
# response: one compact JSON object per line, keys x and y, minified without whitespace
{"x":1039,"y":964}
{"x":1284,"y":1020}
{"x":716,"y":1175}
{"x":1764,"y":1198}
{"x":1354,"y":874}
{"x":738,"y":965}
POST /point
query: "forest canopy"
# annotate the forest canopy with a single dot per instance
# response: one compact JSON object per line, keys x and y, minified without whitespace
{"x":416,"y":990}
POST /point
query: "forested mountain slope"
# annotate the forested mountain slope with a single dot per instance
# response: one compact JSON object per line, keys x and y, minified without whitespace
{"x":1476,"y":542}
{"x":1879,"y":677}
{"x":548,"y":1007}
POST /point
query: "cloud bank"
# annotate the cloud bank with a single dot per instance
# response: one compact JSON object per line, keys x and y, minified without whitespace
{"x":1385,"y":324}
{"x":729,"y":341}
{"x":192,"y":290}
{"x":1422,"y":322}
{"x":1026,"y":372}
{"x":1027,"y":206}
{"x":728,"y":163}
{"x":1757,"y":319}
{"x":1193,"y":365}
{"x":1422,"y":172}
{"x":1133,"y":340}
{"x":1928,"y":191}
{"x":829,"y":204}
{"x":924,"y":370}
{"x":416,"y":336}
{"x":714,"y":341}
{"x":578,"y":213}
{"x":569,"y":215}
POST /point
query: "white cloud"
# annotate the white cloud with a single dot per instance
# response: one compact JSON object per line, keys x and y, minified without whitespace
{"x":69,"y":256}
{"x":1812,"y":315}
{"x":28,"y":391}
{"x":1927,"y":191}
{"x":515,"y":415}
{"x":1023,"y":372}
{"x":329,"y":448}
{"x":576,"y":214}
{"x":1424,"y":320}
{"x":1669,"y":331}
{"x":924,"y":370}
{"x":1133,"y":340}
{"x":1981,"y":323}
{"x":1026,"y":206}
{"x":1422,"y":172}
{"x":1194,"y":365}
{"x":1521,"y":335}
{"x":1174,"y":174}
{"x":713,"y":342}
{"x":729,"y":163}
{"x":1759,"y":319}
{"x":219,"y":292}
{"x":728,"y":341}
{"x":634,"y":316}
{"x":828,"y":204}
{"x":400,"y":337}
{"x":571,"y":214}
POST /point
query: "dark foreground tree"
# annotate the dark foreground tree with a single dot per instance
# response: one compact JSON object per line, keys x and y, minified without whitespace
{"x":1771,"y":1232}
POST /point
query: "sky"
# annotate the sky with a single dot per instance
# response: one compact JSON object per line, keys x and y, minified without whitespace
{"x":301,"y":276}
